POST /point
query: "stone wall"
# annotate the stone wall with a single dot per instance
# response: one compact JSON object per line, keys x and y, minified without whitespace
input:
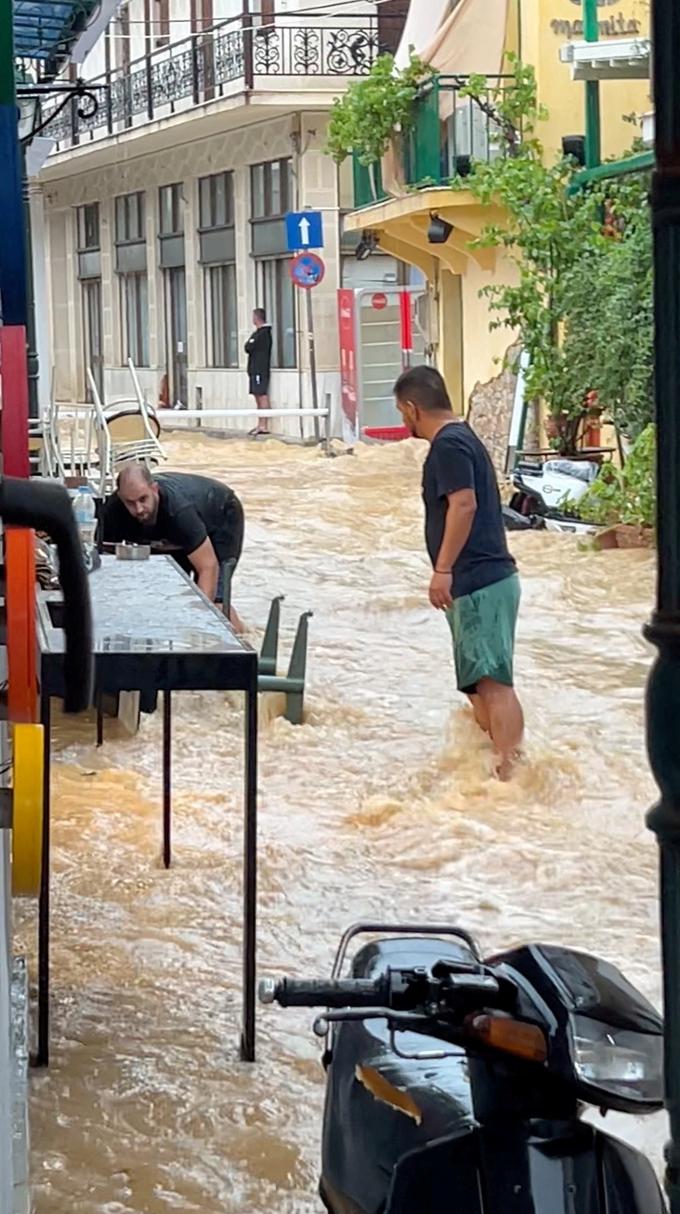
{"x":490,"y":412}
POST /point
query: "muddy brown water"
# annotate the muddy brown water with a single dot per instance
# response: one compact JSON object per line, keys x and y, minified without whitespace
{"x":380,"y":805}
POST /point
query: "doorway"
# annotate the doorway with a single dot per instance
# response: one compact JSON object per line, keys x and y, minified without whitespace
{"x":92,"y":332}
{"x":176,"y":313}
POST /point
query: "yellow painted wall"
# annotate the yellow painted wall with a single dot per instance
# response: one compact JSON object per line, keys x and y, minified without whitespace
{"x":482,"y":348}
{"x":549,"y":24}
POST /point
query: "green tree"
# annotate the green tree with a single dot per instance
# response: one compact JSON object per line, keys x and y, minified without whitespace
{"x":609,"y":340}
{"x":546,"y":229}
{"x":373,"y":110}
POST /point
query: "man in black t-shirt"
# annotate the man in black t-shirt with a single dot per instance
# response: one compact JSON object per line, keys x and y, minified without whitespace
{"x":474,"y":577}
{"x":200,"y":516}
{"x":259,"y":350}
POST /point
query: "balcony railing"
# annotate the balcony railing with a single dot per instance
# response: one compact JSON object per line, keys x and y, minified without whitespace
{"x":451,"y":132}
{"x":207,"y":66}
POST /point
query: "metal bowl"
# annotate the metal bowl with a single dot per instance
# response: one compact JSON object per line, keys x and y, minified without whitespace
{"x":133,"y":552}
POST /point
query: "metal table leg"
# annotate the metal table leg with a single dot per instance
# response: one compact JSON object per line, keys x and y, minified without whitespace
{"x":250,"y":877}
{"x":167,"y":777}
{"x":100,"y":721}
{"x":43,"y":1055}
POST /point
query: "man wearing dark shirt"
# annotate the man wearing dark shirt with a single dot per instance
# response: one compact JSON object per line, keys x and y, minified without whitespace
{"x":474,"y":577}
{"x":201,"y":517}
{"x":259,"y":351}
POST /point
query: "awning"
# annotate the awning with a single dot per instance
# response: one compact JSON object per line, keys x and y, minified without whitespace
{"x":57,"y":31}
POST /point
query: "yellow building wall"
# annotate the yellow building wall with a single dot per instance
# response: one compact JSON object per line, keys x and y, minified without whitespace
{"x":546,"y":26}
{"x":482,"y":348}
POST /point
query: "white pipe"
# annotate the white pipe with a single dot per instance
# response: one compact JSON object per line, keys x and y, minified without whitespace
{"x":166,"y":414}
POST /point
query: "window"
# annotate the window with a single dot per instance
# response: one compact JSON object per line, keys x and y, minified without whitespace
{"x":218,"y":256}
{"x":221,"y":314}
{"x":130,"y":251}
{"x":276,"y":294}
{"x":134,"y":311}
{"x":130,"y":218}
{"x":88,"y":227}
{"x":271,"y":187}
{"x":216,"y":201}
{"x":171,"y":202}
{"x":161,"y":21}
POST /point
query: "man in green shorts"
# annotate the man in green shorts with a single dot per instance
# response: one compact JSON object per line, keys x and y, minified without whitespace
{"x":475,"y":578}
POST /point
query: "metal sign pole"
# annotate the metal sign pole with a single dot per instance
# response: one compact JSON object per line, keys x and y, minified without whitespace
{"x":663,"y":691}
{"x":312,"y":361}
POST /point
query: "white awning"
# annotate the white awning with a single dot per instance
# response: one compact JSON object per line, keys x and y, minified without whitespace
{"x":610,"y":59}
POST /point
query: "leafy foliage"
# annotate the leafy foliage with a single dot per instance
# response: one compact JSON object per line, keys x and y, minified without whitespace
{"x":365,"y":120}
{"x":609,"y":341}
{"x":581,"y":299}
{"x":625,"y":495}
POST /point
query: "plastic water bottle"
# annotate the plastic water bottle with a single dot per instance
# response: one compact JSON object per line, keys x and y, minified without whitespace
{"x":86,"y":515}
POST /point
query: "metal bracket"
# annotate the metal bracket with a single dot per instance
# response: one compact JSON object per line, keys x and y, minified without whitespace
{"x":6,"y":808}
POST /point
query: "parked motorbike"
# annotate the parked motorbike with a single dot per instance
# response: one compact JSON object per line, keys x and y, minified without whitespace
{"x":542,"y":488}
{"x":457,"y":1084}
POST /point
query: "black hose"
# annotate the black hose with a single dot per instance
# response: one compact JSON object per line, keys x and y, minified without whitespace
{"x":47,"y":507}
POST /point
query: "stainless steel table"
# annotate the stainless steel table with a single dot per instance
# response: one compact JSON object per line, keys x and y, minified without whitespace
{"x":153,"y":631}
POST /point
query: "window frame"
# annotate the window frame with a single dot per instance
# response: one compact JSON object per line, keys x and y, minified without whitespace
{"x":82,"y":228}
{"x":174,"y":191}
{"x":264,"y":168}
{"x":208,"y":185}
{"x":134,"y":280}
{"x":123,"y":204}
{"x":221,"y":354}
{"x":280,"y":281}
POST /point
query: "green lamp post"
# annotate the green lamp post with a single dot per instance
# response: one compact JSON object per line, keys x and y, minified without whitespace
{"x":591,"y":33}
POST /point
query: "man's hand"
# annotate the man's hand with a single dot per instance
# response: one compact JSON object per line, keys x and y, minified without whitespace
{"x":440,"y":590}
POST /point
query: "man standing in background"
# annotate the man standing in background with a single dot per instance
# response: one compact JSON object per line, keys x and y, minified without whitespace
{"x":474,"y":577}
{"x":259,"y":351}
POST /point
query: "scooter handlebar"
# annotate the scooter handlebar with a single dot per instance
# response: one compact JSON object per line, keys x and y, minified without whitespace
{"x":338,"y":993}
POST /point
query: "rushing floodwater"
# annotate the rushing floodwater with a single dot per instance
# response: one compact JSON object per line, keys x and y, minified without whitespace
{"x":381,"y":805}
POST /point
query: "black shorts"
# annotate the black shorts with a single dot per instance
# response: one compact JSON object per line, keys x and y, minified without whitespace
{"x":258,"y":385}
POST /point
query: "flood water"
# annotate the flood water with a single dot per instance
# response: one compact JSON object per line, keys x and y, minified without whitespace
{"x":381,"y":805}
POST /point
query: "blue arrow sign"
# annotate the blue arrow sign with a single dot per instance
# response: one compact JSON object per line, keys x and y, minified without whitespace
{"x":304,"y":230}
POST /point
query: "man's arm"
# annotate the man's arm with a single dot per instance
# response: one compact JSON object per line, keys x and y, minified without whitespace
{"x":460,"y":513}
{"x":205,"y":562}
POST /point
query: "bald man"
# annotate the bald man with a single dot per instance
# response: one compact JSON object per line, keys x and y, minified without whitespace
{"x":202,"y":517}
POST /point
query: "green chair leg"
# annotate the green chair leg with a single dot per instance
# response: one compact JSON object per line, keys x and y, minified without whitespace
{"x":270,"y":645}
{"x":297,"y":671}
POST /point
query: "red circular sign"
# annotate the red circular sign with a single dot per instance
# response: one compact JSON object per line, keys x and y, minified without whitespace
{"x":307,"y":270}
{"x":379,"y":301}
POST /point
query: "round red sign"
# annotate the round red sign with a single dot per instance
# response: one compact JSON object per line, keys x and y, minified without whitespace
{"x":379,"y":301}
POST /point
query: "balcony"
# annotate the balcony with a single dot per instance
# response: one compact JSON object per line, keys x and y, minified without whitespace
{"x":223,"y":63}
{"x":451,"y":132}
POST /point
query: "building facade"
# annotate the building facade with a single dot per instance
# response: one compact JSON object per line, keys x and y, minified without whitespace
{"x":459,"y":38}
{"x":161,"y":208}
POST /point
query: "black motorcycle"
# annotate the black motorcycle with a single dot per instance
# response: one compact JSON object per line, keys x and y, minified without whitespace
{"x":457,"y":1084}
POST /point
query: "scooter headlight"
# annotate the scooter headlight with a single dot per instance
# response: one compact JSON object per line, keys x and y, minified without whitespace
{"x":617,"y":1062}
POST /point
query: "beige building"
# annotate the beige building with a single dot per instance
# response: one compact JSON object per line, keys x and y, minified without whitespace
{"x":161,"y":213}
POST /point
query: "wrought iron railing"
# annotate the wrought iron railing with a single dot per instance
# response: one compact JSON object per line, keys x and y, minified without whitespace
{"x":200,"y":68}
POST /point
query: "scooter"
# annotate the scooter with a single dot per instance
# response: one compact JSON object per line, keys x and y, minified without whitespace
{"x":542,"y":488}
{"x":457,"y":1084}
